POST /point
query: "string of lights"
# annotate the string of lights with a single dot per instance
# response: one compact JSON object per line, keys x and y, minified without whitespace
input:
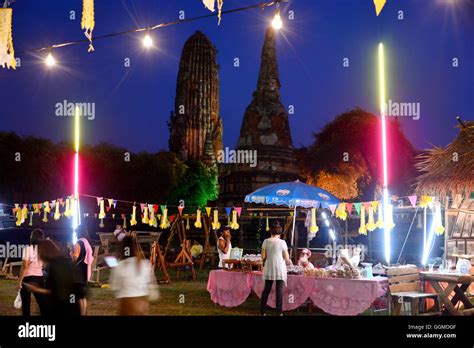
{"x":147,"y":40}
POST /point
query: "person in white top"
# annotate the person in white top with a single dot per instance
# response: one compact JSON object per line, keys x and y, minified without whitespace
{"x":31,"y":272}
{"x":132,"y":279}
{"x":224,"y":245}
{"x":275,"y":258}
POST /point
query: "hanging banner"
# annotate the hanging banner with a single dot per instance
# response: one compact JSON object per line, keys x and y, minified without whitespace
{"x":412,"y":200}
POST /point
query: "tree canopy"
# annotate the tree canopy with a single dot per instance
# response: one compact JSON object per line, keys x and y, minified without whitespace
{"x":346,"y":157}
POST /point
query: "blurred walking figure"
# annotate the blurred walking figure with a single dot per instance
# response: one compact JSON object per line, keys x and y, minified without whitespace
{"x":275,"y":258}
{"x":82,"y":257}
{"x":31,"y":272}
{"x":59,"y":289}
{"x":132,"y":279}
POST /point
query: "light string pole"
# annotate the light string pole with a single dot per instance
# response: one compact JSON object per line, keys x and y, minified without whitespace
{"x":386,"y":206}
{"x":76,"y":218}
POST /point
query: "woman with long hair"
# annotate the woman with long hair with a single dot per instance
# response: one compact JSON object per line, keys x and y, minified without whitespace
{"x":82,"y":257}
{"x":31,"y":272}
{"x":275,"y":258}
{"x":132,"y":279}
{"x":59,"y":286}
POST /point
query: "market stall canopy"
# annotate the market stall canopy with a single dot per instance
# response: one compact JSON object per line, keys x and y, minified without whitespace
{"x":449,"y":170}
{"x":292,"y":194}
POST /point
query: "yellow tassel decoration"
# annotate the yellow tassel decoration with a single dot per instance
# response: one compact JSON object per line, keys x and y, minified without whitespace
{"x":102,"y":209}
{"x":188,"y":227}
{"x":152,"y":221}
{"x":46,"y":206}
{"x":267,"y":227}
{"x":439,"y":229}
{"x":234,"y":224}
{"x":314,"y":228}
{"x":67,"y":211}
{"x":18,"y":217}
{"x":198,"y":223}
{"x":341,"y":211}
{"x":362,"y":228}
{"x":45,"y":217}
{"x":380,"y":223}
{"x":164,"y":220}
{"x":57,"y":214}
{"x":7,"y":53}
{"x":88,"y":21}
{"x":216,"y":224}
{"x":24,"y":214}
{"x":371,"y":225}
{"x":31,"y":219}
{"x":145,"y":219}
{"x":124,"y":221}
{"x":425,"y":201}
{"x":133,"y":220}
{"x":36,"y":208}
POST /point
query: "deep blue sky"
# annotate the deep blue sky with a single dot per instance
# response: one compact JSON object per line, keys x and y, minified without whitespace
{"x":133,"y":104}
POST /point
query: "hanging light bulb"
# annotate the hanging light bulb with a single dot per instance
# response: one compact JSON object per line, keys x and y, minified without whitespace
{"x":277,"y":23}
{"x":50,"y":61}
{"x":147,"y":41}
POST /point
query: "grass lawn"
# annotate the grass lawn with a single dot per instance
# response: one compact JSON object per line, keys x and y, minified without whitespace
{"x":196,"y":299}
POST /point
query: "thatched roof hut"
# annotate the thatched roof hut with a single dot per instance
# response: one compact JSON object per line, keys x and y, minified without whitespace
{"x":449,"y":170}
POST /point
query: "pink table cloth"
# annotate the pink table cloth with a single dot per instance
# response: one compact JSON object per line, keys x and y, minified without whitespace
{"x":227,"y":288}
{"x":333,"y":295}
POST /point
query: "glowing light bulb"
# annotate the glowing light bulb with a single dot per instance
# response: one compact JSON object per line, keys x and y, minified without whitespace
{"x":50,"y":61}
{"x":147,"y":41}
{"x":277,"y":23}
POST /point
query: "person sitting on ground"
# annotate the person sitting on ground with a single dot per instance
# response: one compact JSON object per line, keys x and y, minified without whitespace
{"x":304,"y":259}
{"x":196,"y":250}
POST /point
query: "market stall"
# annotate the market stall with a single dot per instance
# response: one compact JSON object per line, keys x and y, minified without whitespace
{"x":336,"y":296}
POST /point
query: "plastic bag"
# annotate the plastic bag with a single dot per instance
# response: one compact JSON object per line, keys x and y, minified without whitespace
{"x":17,"y":303}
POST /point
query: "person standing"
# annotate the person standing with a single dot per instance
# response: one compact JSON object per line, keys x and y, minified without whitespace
{"x":133,"y":280}
{"x":31,"y":272}
{"x":224,"y":245}
{"x":59,"y":289}
{"x":82,"y":257}
{"x":275,"y":257}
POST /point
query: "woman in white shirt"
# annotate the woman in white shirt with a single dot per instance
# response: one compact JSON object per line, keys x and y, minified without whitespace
{"x":224,"y":245}
{"x":275,"y":257}
{"x":132,"y":279}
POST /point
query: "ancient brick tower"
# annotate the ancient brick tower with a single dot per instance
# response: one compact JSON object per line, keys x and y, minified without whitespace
{"x":265,"y":128}
{"x":195,"y":126}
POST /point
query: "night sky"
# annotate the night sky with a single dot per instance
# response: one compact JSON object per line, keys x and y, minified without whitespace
{"x":133,"y":104}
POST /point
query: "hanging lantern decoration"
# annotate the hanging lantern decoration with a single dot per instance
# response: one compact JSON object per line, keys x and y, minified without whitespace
{"x":341,"y":211}
{"x":198,"y":223}
{"x":24,"y":213}
{"x":133,"y":219}
{"x":362,"y":228}
{"x":164,"y":219}
{"x":124,"y":225}
{"x":152,"y":221}
{"x":210,"y":5}
{"x":188,"y":227}
{"x":18,"y":216}
{"x":439,"y":228}
{"x":267,"y":224}
{"x":67,"y":211}
{"x":313,"y":227}
{"x":145,"y":219}
{"x":57,"y":213}
{"x":234,"y":224}
{"x":380,"y":223}
{"x":7,"y":53}
{"x":88,"y":21}
{"x":371,"y":225}
{"x":215,"y":223}
{"x":36,"y":208}
{"x":46,"y":206}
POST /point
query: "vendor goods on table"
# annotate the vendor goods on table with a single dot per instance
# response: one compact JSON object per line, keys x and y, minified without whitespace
{"x":296,"y":270}
{"x":344,"y":271}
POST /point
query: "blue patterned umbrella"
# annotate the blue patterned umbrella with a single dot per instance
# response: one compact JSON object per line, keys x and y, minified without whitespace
{"x":292,"y":194}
